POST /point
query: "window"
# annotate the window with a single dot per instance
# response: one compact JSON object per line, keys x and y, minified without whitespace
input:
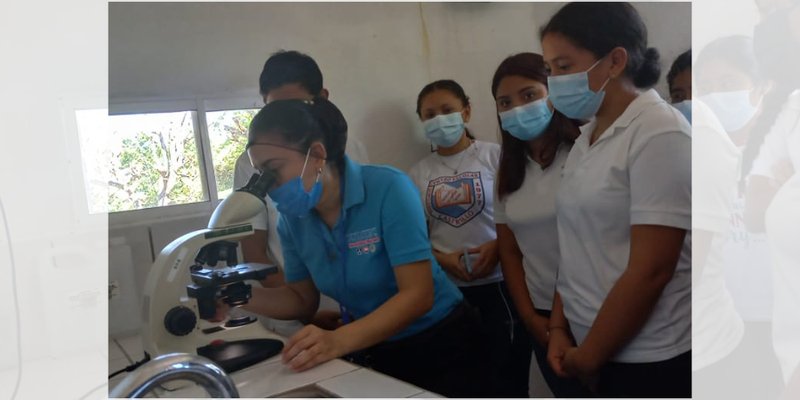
{"x":227,"y":133}
{"x":139,"y":157}
{"x":154,"y":161}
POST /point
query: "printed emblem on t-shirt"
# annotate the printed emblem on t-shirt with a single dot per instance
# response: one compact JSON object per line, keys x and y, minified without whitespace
{"x":364,"y":241}
{"x":456,"y":199}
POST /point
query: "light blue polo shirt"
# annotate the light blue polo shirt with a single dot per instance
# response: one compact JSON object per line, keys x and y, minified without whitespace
{"x":382,"y":226}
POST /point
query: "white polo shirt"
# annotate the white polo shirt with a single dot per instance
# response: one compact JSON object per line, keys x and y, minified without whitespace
{"x":717,"y":327}
{"x":530,"y":213}
{"x":637,"y":172}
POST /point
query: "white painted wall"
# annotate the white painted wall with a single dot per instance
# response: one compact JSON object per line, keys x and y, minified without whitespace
{"x":375,"y":57}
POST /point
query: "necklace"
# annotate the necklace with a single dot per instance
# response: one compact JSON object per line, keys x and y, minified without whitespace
{"x":471,"y":149}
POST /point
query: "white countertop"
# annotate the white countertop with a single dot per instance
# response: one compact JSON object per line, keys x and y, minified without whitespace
{"x":271,"y":377}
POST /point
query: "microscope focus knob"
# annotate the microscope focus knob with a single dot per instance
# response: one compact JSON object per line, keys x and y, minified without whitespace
{"x":180,"y":321}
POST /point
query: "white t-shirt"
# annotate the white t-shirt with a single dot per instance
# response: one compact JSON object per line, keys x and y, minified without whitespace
{"x":637,"y":172}
{"x":716,"y":326}
{"x":458,"y":195}
{"x":782,"y":144}
{"x":530,"y":213}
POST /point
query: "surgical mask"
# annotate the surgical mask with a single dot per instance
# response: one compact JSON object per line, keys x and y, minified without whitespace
{"x":528,"y":121}
{"x":292,"y":199}
{"x":444,"y":130}
{"x":571,"y":95}
{"x":685,"y":107}
{"x":733,"y":109}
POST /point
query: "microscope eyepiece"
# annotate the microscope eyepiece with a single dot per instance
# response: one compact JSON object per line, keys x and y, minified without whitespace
{"x":259,"y":184}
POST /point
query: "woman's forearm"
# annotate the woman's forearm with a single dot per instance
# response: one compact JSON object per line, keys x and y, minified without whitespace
{"x":625,"y":310}
{"x":284,"y":302}
{"x":514,"y":273}
{"x":654,"y":254}
{"x":391,"y":317}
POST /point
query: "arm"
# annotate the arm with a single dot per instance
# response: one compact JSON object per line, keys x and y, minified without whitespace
{"x":312,"y":345}
{"x":660,"y":215}
{"x":298,"y":300}
{"x":407,"y":246}
{"x":514,"y":274}
{"x":452,"y":263}
{"x":654,"y":256}
{"x":559,"y":337}
{"x":254,"y":249}
{"x":488,"y":256}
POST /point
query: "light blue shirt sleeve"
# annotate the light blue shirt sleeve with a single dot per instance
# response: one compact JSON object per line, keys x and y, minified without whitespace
{"x":405,"y":233}
{"x":294,"y":268}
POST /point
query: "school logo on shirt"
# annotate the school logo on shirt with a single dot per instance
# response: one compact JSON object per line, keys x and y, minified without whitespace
{"x":456,"y":199}
{"x":364,"y":241}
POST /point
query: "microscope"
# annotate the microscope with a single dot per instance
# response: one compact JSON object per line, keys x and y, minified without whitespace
{"x":185,"y":285}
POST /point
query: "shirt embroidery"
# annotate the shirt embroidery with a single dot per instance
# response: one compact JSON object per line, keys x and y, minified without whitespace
{"x":364,"y":241}
{"x":457,"y":199}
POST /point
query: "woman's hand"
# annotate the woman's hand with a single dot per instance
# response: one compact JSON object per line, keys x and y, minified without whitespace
{"x":222,"y":311}
{"x":487,"y":259}
{"x":452,"y":263}
{"x":327,"y":319}
{"x":312,"y":346}
{"x":577,"y":362}
{"x":537,"y":326}
{"x":557,"y":345}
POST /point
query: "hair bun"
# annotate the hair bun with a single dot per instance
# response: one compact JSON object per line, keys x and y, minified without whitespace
{"x":650,"y":70}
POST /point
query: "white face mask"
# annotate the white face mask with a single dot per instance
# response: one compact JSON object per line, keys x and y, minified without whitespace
{"x":733,"y":109}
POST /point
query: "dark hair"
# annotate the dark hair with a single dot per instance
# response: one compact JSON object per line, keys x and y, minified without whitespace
{"x":735,"y":51}
{"x":301,"y":122}
{"x":513,"y":162}
{"x":600,"y":27}
{"x":774,"y":50}
{"x":448,"y":85}
{"x":682,"y":63}
{"x":285,"y":67}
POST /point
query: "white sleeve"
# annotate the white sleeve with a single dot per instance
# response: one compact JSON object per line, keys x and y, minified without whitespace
{"x":242,"y":171}
{"x":661,"y":181}
{"x":715,"y":173}
{"x":776,"y":144}
{"x":416,"y":174}
{"x":772,"y":150}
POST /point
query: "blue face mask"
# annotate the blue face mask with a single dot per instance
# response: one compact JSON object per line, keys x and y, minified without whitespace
{"x":733,"y":109}
{"x":444,"y":130}
{"x":292,"y":199}
{"x":570,"y":94}
{"x":685,"y":107}
{"x":528,"y":121}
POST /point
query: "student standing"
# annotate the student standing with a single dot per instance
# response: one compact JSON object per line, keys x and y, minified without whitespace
{"x":535,"y":144}
{"x":622,"y":313}
{"x":456,"y":183}
{"x":357,"y":233}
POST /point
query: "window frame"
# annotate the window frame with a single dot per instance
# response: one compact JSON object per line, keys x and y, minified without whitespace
{"x":199,"y":106}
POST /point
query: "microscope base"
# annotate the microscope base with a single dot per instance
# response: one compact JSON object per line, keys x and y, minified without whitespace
{"x":235,"y":355}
